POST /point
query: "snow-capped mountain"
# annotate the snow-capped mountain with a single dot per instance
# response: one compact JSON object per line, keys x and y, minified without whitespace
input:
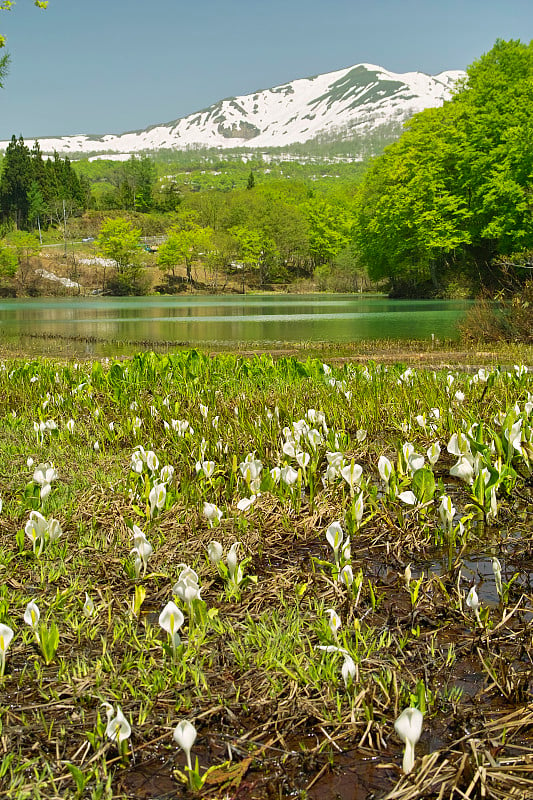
{"x":348,"y":103}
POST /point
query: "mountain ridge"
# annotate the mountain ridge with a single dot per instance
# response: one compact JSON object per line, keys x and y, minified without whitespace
{"x":342,"y":104}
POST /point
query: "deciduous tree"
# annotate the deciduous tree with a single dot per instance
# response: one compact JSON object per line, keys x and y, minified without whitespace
{"x":455,"y":192}
{"x":184,"y":245}
{"x":120,"y":241}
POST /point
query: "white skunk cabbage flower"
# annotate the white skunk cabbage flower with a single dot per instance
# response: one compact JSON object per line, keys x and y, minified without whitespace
{"x":185,"y":736}
{"x":36,"y":527}
{"x":171,"y":619}
{"x":214,"y":552}
{"x":245,"y":502}
{"x":358,"y":509}
{"x":408,"y":498}
{"x":187,"y":587}
{"x":408,"y":726}
{"x":44,"y":474}
{"x":464,"y":469}
{"x":472,"y":599}
{"x":458,"y":445}
{"x":384,"y":469}
{"x":352,"y":474}
{"x":334,"y":621}
{"x":88,"y":607}
{"x":433,"y":453}
{"x":152,"y":462}
{"x":335,"y":536}
{"x":208,"y":468}
{"x":6,"y":634}
{"x":233,"y":560}
{"x":415,"y":462}
{"x":447,"y":512}
{"x":167,"y":473}
{"x":118,"y":728}
{"x":346,"y":575}
{"x":348,"y":670}
{"x":32,"y":615}
{"x":288,"y":475}
{"x":157,"y":497}
{"x":212,"y":513}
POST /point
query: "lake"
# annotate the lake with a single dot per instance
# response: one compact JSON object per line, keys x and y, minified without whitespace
{"x":224,"y":319}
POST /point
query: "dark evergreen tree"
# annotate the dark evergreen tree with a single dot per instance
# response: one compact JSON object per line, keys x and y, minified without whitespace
{"x":15,"y":183}
{"x":37,"y":166}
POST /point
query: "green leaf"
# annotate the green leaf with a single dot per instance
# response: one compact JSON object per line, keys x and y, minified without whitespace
{"x":79,"y":778}
{"x":424,"y":484}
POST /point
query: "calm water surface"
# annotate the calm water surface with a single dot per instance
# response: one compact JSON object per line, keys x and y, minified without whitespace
{"x":231,"y":318}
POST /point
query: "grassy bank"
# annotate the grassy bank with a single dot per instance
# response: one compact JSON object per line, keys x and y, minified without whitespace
{"x":372,"y":531}
{"x":432,"y":354}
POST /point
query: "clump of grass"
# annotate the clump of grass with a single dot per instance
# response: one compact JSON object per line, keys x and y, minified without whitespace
{"x":505,"y":319}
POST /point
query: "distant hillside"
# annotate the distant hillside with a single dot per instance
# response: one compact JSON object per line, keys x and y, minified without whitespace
{"x":361,"y":105}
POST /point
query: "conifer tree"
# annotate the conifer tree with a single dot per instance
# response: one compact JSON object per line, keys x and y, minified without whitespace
{"x":16,"y":182}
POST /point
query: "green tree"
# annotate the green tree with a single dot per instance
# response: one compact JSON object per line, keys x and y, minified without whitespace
{"x":494,"y":167}
{"x":184,"y":245}
{"x":135,"y":183}
{"x":410,"y":220}
{"x":455,"y":192}
{"x":8,"y":268}
{"x":15,"y":182}
{"x":36,"y":206}
{"x":255,"y":250}
{"x":277,"y":211}
{"x":329,"y":230}
{"x":26,"y":246}
{"x":119,"y":241}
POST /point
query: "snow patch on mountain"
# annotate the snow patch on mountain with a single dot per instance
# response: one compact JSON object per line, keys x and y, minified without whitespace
{"x":349,"y":102}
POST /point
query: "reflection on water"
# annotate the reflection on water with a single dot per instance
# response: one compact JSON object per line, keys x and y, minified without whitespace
{"x":227,"y":318}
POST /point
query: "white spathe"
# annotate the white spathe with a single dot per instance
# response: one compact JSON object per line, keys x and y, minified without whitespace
{"x":408,"y":726}
{"x":185,"y":737}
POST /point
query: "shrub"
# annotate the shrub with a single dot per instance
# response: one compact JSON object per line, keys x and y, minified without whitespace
{"x":509,"y":319}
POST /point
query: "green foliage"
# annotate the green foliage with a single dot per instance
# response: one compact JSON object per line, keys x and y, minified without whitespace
{"x":120,"y":241}
{"x":4,"y":65}
{"x":302,"y":216}
{"x":8,"y":262}
{"x":25,"y":245}
{"x":508,"y":319}
{"x":455,"y":189}
{"x":34,"y":189}
{"x":329,"y":229}
{"x":15,"y":182}
{"x":184,"y":244}
{"x":255,"y":250}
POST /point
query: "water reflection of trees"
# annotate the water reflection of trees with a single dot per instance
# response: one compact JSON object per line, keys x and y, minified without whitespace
{"x":197,"y":319}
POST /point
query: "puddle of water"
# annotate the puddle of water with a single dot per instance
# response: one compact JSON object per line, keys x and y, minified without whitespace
{"x":353,"y":776}
{"x":149,"y":781}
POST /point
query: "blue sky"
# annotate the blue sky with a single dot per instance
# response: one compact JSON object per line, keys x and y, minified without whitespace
{"x":108,"y":66}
